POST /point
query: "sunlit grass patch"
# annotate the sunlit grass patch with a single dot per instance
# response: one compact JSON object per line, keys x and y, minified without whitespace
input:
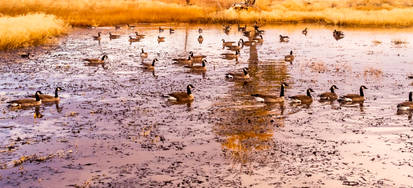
{"x":28,"y":30}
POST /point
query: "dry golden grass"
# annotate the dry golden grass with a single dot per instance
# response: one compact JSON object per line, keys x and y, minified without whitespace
{"x":29,"y":30}
{"x":111,"y":12}
{"x":371,"y":71}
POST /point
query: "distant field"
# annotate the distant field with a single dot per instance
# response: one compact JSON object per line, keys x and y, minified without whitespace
{"x":372,"y":13}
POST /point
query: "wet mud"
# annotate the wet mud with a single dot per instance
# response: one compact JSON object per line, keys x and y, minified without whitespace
{"x":114,"y":128}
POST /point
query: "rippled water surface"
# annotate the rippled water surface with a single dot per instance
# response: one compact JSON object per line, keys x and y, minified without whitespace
{"x":113,"y":127}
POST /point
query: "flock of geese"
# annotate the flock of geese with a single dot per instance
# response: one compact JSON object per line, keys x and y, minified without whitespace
{"x":198,"y":63}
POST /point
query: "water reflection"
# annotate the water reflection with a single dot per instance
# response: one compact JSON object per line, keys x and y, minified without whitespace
{"x":247,"y":127}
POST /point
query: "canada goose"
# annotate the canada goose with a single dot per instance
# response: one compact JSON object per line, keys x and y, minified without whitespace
{"x":338,"y":34}
{"x":200,"y":30}
{"x":149,"y":66}
{"x":97,"y":61}
{"x":197,"y":58}
{"x":131,"y":39}
{"x":160,"y":29}
{"x":25,"y":55}
{"x":289,"y":58}
{"x":235,"y":48}
{"x":49,"y":98}
{"x":131,"y":26}
{"x":239,"y":76}
{"x":200,"y":39}
{"x":353,"y":98}
{"x":305,"y":32}
{"x":144,"y":54}
{"x":284,"y":38}
{"x":161,"y":39}
{"x":240,"y":28}
{"x":227,"y":28}
{"x":138,"y":35}
{"x":259,"y":32}
{"x":329,"y":96}
{"x":113,"y":36}
{"x":271,"y":98}
{"x":247,"y":33}
{"x":171,"y":30}
{"x":303,"y":99}
{"x":182,"y":96}
{"x":231,"y":55}
{"x":227,"y":43}
{"x":259,"y":40}
{"x":27,"y":102}
{"x":198,"y":67}
{"x":183,"y":60}
{"x":117,"y":27}
{"x":407,"y":105}
{"x":98,"y":36}
{"x":247,"y":43}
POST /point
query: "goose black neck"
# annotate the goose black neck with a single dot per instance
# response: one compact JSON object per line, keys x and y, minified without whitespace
{"x":245,"y":72}
{"x":56,"y":95}
{"x":361,"y":92}
{"x":308,"y":93}
{"x":37,"y":97}
{"x":188,"y":90}
{"x":282,"y":90}
{"x":153,"y":62}
{"x":332,"y":89}
{"x":203,"y":63}
{"x":410,"y":97}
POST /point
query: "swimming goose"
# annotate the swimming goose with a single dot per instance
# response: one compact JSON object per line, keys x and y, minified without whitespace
{"x":338,"y":34}
{"x":240,"y":28}
{"x":149,"y":66}
{"x":259,"y":32}
{"x":171,"y":30}
{"x":247,"y":43}
{"x":131,"y":26}
{"x":138,"y":35}
{"x":182,"y":96}
{"x":183,"y":60}
{"x":247,"y":33}
{"x":117,"y":27}
{"x":329,"y":96}
{"x":49,"y":98}
{"x":239,"y":76}
{"x":235,"y":48}
{"x":303,"y":99}
{"x":227,"y":28}
{"x":197,"y":58}
{"x":200,"y":30}
{"x":284,"y":38}
{"x":305,"y":32}
{"x":407,"y":105}
{"x":271,"y":98}
{"x":113,"y":36}
{"x":161,"y":39}
{"x":25,"y":55}
{"x":231,"y":55}
{"x":27,"y":102}
{"x":160,"y":29}
{"x":227,"y":43}
{"x":290,"y":57}
{"x":353,"y":98}
{"x":98,"y":36}
{"x":200,"y":39}
{"x":198,"y":67}
{"x":96,"y":61}
{"x":144,"y":54}
{"x":131,"y":39}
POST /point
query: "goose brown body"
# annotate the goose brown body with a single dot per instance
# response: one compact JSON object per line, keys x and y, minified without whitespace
{"x":407,"y":105}
{"x":113,"y":36}
{"x":96,"y":61}
{"x":49,"y":98}
{"x":329,"y":96}
{"x":29,"y":102}
{"x":200,"y":68}
{"x":182,"y":96}
{"x":303,"y":99}
{"x":239,"y":76}
{"x":271,"y":98}
{"x":149,"y":66}
{"x":290,"y":57}
{"x":353,"y":98}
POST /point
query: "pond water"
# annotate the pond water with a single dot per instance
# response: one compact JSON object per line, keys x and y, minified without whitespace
{"x":114,"y":127}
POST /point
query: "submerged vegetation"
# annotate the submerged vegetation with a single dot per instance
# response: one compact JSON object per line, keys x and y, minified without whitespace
{"x":43,"y":18}
{"x":28,"y":30}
